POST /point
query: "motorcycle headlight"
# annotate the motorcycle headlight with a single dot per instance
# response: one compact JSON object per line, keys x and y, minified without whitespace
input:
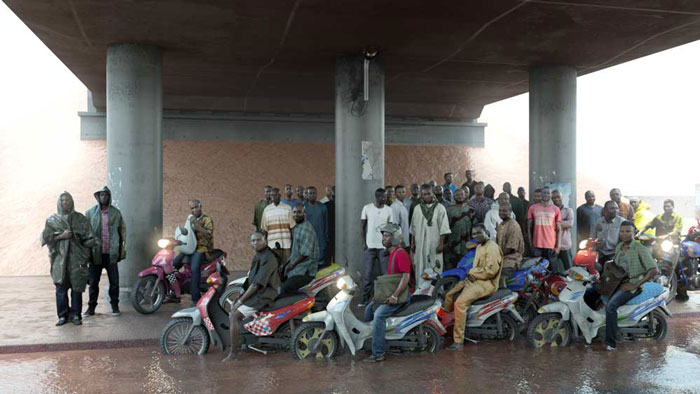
{"x":163,"y":243}
{"x":583,"y":244}
{"x":666,"y":246}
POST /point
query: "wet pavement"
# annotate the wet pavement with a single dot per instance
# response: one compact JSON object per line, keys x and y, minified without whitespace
{"x":489,"y":367}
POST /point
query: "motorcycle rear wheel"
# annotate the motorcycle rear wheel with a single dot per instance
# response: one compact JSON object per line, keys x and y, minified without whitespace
{"x":510,"y":328}
{"x":660,"y":326}
{"x":444,"y":285}
{"x":141,"y":298}
{"x":172,"y":341}
{"x":541,"y":327}
{"x":307,"y":336}
{"x":433,"y":340}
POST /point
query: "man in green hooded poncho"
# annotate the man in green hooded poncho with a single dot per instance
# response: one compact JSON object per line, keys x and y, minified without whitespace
{"x":69,"y":239}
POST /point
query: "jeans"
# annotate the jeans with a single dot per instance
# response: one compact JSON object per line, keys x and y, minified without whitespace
{"x":195,"y":259}
{"x":618,"y":299}
{"x":112,"y":274}
{"x":294,"y":283}
{"x":370,"y":267}
{"x":565,"y":258}
{"x":62,"y":302}
{"x":378,"y":319}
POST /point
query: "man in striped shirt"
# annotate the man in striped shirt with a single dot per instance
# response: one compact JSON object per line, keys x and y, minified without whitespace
{"x":277,"y":223}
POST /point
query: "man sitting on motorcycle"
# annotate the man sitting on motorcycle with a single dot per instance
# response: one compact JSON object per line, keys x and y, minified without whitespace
{"x":399,"y":263}
{"x":203,"y":227}
{"x":636,"y":260}
{"x":482,"y":281}
{"x":263,"y":281}
{"x":303,"y":263}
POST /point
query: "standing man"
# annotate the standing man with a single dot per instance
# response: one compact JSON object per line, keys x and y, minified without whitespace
{"x":300,"y":192}
{"x":330,"y":207}
{"x":415,"y":190}
{"x":471,"y":183}
{"x":203,"y":228}
{"x":526,"y":205}
{"x":429,"y":228}
{"x":537,"y":196}
{"x":402,"y":196}
{"x":329,"y":194}
{"x":626,"y":211}
{"x":449,"y":183}
{"x":459,"y":216}
{"x":479,"y":203}
{"x":544,"y":227}
{"x":264,"y":280}
{"x":302,"y":266}
{"x":389,"y":194}
{"x":510,"y":240}
{"x":587,"y":216}
{"x":399,"y":214}
{"x":289,"y":196}
{"x":521,"y":196}
{"x":317,"y":215}
{"x":277,"y":224}
{"x":567,"y":223}
{"x":67,"y":234}
{"x":438,"y":192}
{"x":260,"y":207}
{"x":107,"y":224}
{"x":492,"y":219}
{"x":607,"y":232}
{"x":666,"y":223}
{"x":482,"y":281}
{"x":517,"y":205}
{"x":373,"y":216}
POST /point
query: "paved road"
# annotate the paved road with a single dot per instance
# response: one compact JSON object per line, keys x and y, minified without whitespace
{"x":497,"y":367}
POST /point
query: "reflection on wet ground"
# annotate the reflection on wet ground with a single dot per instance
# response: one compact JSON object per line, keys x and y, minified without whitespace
{"x":497,"y":367}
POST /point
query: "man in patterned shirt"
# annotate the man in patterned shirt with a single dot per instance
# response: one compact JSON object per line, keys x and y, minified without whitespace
{"x":203,"y":228}
{"x":303,"y":264}
{"x":277,"y":223}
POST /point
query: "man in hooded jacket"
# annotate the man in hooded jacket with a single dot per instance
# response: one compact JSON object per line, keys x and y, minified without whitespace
{"x":108,"y":225}
{"x":69,"y":238}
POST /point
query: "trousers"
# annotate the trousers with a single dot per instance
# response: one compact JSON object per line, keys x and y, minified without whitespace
{"x":471,"y":291}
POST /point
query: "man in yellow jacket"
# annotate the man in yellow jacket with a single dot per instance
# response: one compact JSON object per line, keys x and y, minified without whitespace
{"x":642,"y":214}
{"x":482,"y":281}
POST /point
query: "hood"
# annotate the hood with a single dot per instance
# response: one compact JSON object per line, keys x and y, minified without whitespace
{"x":644,"y":206}
{"x":109,"y":193}
{"x":58,"y":204}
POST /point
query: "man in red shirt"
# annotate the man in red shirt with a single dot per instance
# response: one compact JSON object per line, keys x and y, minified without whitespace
{"x":399,"y":263}
{"x":544,"y":226}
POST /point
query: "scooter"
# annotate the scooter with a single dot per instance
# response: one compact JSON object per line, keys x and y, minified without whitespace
{"x":414,"y":327}
{"x":320,"y":287}
{"x":559,"y":322}
{"x":192,"y":330}
{"x":587,"y":256}
{"x":539,"y":287}
{"x":156,"y":281}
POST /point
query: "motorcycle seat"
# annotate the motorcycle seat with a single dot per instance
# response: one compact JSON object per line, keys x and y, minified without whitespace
{"x":500,"y":293}
{"x":649,"y":290}
{"x":529,"y":262}
{"x":281,"y":302}
{"x":417,"y":303}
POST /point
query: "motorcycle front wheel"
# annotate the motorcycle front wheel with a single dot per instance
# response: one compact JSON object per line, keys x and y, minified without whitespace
{"x":148,"y":294}
{"x":541,"y":331}
{"x":309,"y":341}
{"x":174,"y":342}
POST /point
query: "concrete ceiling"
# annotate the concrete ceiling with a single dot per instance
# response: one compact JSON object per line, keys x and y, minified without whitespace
{"x":443,"y":59}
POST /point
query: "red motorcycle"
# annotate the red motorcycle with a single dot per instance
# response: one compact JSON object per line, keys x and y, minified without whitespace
{"x":587,"y":256}
{"x":541,"y":288}
{"x":156,"y":281}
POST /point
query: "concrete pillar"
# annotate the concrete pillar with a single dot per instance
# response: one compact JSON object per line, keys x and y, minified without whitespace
{"x":135,"y":150}
{"x":553,"y":129}
{"x":359,"y":153}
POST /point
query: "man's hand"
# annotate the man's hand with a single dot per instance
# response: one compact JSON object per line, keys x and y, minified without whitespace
{"x":66,"y":234}
{"x":392,"y":300}
{"x":196,"y":225}
{"x":471,"y":277}
{"x":440,"y":247}
{"x":557,"y":250}
{"x":627,"y":286}
{"x":235,"y":307}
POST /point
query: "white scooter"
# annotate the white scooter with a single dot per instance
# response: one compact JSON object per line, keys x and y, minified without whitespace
{"x":415,"y":327}
{"x":558,"y":322}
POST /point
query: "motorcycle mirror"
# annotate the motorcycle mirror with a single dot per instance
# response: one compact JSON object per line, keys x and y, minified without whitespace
{"x":183,"y":231}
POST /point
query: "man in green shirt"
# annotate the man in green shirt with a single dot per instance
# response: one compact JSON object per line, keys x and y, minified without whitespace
{"x":260,"y":207}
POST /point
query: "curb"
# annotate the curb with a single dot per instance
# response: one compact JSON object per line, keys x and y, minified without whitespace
{"x":56,"y":347}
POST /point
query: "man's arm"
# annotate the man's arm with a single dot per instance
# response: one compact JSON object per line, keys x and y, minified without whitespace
{"x":557,"y":229}
{"x":530,"y":224}
{"x":489,"y":271}
{"x":364,"y":233}
{"x":122,"y":238}
{"x":569,"y":221}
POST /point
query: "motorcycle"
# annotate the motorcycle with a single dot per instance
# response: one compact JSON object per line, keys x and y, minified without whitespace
{"x":320,"y":287}
{"x":666,"y":252}
{"x":587,"y":257}
{"x":156,"y":281}
{"x":535,"y":287}
{"x":414,"y":327}
{"x":689,"y":257}
{"x":192,"y":330}
{"x":559,"y":322}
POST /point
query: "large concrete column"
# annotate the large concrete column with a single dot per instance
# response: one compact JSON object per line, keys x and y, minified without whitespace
{"x":135,"y":150}
{"x":553,"y":129}
{"x":359,"y":153}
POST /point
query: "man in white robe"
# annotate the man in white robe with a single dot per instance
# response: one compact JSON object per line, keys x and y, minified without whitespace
{"x":429,"y":228}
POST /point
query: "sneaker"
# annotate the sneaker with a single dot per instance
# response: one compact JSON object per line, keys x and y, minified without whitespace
{"x":61,"y":321}
{"x":115,"y":311}
{"x":373,"y":359}
{"x":682,"y":298}
{"x":609,"y":348}
{"x":76,"y":320}
{"x":89,"y":312}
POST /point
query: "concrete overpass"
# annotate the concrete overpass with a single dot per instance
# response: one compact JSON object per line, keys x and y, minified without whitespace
{"x":294,"y":71}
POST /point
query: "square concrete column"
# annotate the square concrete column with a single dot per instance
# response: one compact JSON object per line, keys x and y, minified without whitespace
{"x":359,"y":153}
{"x":553,"y":129}
{"x":135,"y":150}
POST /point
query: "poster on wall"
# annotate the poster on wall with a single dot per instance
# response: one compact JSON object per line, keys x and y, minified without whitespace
{"x":368,"y":160}
{"x":565,"y":189}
